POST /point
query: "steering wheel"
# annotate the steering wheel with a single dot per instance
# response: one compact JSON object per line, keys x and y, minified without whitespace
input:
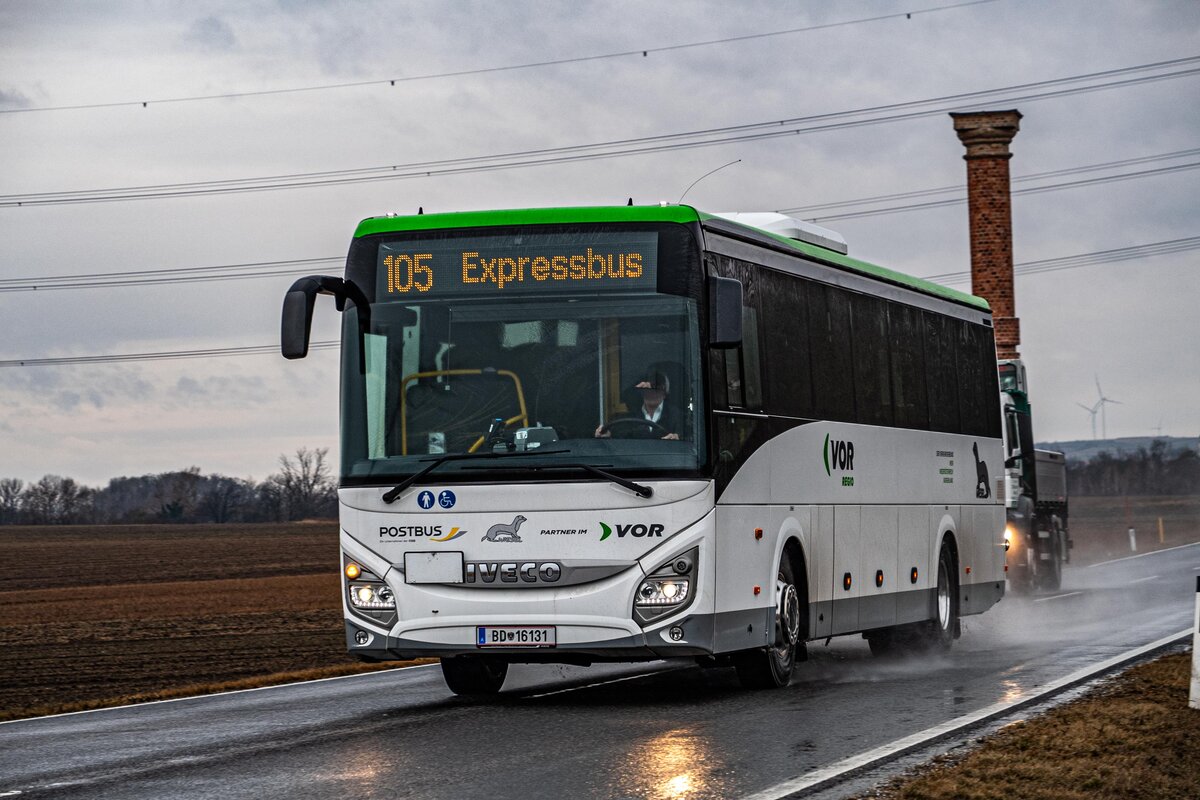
{"x":653,"y":429}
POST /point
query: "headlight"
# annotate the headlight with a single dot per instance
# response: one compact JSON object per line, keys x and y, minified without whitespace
{"x":668,"y":589}
{"x":1010,"y":536}
{"x":663,"y":592}
{"x":374,"y":596}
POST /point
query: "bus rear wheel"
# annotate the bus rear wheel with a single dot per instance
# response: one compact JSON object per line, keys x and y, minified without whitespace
{"x":937,"y":633}
{"x":474,"y":675}
{"x":771,"y":667}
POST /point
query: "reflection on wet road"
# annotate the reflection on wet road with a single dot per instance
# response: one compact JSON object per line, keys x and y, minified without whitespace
{"x":616,"y":731}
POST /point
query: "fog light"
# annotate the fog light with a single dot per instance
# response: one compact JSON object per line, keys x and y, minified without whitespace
{"x":676,"y":633}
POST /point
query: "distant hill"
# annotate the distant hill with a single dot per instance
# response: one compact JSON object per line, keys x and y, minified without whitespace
{"x":1087,"y":449}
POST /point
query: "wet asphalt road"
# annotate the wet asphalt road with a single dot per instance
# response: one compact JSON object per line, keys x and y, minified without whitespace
{"x":664,"y":730}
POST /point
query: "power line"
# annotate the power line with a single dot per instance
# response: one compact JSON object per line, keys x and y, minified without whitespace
{"x":296,"y":267}
{"x":1083,"y":259}
{"x":166,"y":355}
{"x":1029,"y":190}
{"x":1024,"y":268}
{"x":218,"y":272}
{"x":895,"y":112}
{"x":880,"y":198}
{"x":637,"y":52}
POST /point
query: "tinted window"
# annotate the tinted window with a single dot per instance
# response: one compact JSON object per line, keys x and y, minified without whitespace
{"x":832,"y":355}
{"x":941,"y":371}
{"x":872,"y":377}
{"x":785,"y":343}
{"x":909,"y":397}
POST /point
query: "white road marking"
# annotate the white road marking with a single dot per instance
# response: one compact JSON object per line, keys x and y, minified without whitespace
{"x":1143,"y":555}
{"x":13,"y":793}
{"x":217,"y":694}
{"x":834,"y":772}
{"x":589,"y":685}
{"x":1143,"y":580}
{"x":1056,"y":597}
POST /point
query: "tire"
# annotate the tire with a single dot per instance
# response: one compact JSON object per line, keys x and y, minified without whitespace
{"x":937,"y":633}
{"x":1050,"y":574}
{"x":771,"y":667}
{"x":474,"y":675}
{"x":885,"y":643}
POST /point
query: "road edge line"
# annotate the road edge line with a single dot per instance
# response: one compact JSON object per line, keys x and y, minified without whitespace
{"x":214,"y":694}
{"x":1141,"y":555}
{"x":825,"y":776}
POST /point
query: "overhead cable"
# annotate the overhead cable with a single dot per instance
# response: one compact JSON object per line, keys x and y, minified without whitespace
{"x":643,"y":52}
{"x":1023,"y":268}
{"x":771,"y":129}
{"x":1082,"y":259}
{"x":1033,"y":176}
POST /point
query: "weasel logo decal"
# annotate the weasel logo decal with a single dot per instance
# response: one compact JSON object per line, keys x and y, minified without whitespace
{"x":504,"y":533}
{"x":983,"y":489}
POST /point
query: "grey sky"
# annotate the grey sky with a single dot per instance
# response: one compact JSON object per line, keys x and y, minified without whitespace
{"x":1133,"y":323}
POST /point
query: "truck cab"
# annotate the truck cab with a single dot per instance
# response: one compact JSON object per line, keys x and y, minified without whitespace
{"x":1036,"y":538}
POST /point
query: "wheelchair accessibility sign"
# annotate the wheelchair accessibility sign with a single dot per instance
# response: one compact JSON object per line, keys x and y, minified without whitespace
{"x":445,"y":499}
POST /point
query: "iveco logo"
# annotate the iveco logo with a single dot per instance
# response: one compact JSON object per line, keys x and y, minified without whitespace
{"x":513,"y":572}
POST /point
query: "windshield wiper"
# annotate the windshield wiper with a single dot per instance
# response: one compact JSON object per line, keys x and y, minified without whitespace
{"x":391,"y":494}
{"x":637,"y":488}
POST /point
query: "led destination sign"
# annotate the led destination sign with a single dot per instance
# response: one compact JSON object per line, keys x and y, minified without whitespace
{"x":518,"y":264}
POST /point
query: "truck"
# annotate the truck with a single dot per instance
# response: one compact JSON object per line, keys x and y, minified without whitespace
{"x":1037,"y":539}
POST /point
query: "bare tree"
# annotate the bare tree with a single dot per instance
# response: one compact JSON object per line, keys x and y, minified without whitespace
{"x":304,"y":483}
{"x":10,"y":500}
{"x":56,"y":500}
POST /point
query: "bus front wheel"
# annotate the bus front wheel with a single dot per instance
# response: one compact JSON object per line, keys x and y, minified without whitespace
{"x":474,"y":675}
{"x":771,"y":667}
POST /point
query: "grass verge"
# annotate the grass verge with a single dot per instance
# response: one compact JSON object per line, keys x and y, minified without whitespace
{"x":1134,"y":737}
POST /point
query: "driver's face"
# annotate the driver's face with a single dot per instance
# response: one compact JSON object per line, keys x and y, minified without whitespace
{"x":653,"y":396}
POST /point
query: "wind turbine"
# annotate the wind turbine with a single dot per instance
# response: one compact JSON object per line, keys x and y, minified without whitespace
{"x":1100,"y":404}
{"x":1091,"y":410}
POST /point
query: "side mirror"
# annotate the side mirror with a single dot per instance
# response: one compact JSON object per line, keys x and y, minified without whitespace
{"x":724,"y":312}
{"x":298,"y":306}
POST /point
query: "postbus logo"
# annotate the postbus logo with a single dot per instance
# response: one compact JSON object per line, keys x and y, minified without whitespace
{"x":412,"y":533}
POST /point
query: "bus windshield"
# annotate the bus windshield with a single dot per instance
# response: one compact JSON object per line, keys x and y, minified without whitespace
{"x":611,"y":381}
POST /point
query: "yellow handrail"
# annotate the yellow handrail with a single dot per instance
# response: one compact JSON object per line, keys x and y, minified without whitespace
{"x":407,"y":379}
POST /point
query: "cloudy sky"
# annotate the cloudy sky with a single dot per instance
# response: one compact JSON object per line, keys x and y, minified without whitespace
{"x":1132,"y":322}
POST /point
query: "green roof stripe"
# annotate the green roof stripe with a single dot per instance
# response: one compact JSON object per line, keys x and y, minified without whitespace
{"x":670,"y":213}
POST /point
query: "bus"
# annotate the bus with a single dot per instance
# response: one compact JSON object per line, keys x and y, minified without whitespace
{"x":631,"y":433}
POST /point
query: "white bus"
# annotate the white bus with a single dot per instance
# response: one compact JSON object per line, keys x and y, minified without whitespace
{"x":631,"y":433}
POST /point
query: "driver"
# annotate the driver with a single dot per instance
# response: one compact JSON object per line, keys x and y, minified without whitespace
{"x":654,"y":389}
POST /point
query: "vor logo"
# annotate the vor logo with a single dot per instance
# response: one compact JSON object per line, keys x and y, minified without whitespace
{"x":637,"y":530}
{"x":838,"y":455}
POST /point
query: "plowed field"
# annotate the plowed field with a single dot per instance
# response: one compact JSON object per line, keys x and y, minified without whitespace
{"x":101,"y":613}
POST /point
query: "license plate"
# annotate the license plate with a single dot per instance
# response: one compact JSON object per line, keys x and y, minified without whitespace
{"x":515,"y":636}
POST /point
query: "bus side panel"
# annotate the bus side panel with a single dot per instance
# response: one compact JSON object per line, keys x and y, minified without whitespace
{"x":847,"y":554}
{"x":821,"y":587}
{"x":912,"y":604}
{"x":743,"y":619}
{"x":985,"y":585}
{"x":877,"y":599}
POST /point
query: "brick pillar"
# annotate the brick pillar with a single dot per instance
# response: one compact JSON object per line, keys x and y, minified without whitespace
{"x":986,"y":135}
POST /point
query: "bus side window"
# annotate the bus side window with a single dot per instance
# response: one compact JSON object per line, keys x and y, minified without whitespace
{"x":751,"y":360}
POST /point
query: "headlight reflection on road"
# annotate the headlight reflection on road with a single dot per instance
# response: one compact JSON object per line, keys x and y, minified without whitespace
{"x":675,"y":765}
